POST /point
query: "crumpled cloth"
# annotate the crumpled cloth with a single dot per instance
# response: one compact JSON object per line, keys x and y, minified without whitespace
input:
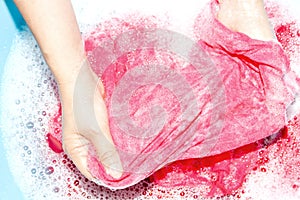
{"x":159,"y":113}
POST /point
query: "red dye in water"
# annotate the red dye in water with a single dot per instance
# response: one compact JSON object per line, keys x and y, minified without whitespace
{"x":284,"y":33}
{"x":221,"y":174}
{"x":54,"y":137}
{"x":54,"y":143}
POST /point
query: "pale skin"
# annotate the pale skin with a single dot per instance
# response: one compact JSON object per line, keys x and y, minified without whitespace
{"x":55,"y":28}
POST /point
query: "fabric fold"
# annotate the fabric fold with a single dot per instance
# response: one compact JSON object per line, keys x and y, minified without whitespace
{"x":251,"y":73}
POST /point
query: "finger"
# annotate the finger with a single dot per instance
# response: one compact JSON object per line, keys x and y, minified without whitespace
{"x":76,"y":147}
{"x":100,"y":85}
{"x":107,"y":155}
{"x":106,"y":151}
{"x":91,"y":120}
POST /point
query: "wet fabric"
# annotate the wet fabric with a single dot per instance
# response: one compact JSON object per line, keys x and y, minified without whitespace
{"x":225,"y":92}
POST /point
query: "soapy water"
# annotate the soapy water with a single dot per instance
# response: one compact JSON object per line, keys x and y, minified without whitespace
{"x":30,"y":112}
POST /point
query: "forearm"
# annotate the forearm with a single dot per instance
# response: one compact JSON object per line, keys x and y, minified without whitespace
{"x":55,"y":28}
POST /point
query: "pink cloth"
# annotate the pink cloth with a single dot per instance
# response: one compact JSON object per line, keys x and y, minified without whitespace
{"x":246,"y":100}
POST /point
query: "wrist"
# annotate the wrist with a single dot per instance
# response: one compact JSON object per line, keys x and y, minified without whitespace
{"x":67,"y":79}
{"x":65,"y":63}
{"x":242,"y":5}
{"x":81,"y":79}
{"x":67,"y":74}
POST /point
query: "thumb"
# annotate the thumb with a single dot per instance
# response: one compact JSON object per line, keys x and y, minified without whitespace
{"x":107,"y":154}
{"x":76,"y":147}
{"x":91,"y":119}
{"x":102,"y":141}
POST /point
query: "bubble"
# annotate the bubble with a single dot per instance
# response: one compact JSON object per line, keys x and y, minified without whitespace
{"x":25,"y":148}
{"x":56,"y":189}
{"x":49,"y":170}
{"x":30,"y":125}
{"x":76,"y":182}
{"x":29,"y":152}
{"x":33,"y":170}
{"x":18,"y":101}
{"x":56,"y":130}
{"x":263,"y":169}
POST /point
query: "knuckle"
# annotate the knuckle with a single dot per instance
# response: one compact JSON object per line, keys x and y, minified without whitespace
{"x":91,"y":133}
{"x":107,"y":157}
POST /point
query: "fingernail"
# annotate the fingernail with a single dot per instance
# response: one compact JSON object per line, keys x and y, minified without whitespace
{"x":114,"y":172}
{"x":115,"y":169}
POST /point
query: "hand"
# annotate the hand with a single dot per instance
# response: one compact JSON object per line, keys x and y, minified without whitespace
{"x":246,"y":16}
{"x":84,"y":115}
{"x":85,"y":122}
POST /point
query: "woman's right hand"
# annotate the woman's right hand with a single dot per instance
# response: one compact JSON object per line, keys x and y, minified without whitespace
{"x":54,"y":26}
{"x":85,"y":122}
